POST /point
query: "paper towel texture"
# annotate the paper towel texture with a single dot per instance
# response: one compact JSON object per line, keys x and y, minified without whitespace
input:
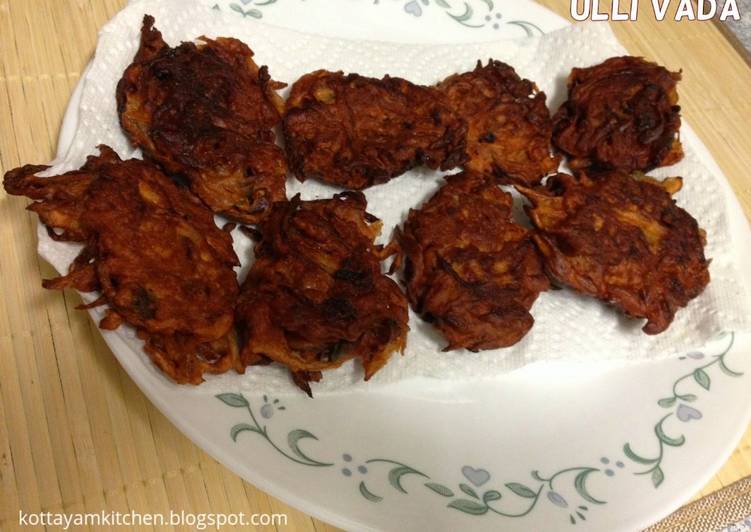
{"x":567,"y":326}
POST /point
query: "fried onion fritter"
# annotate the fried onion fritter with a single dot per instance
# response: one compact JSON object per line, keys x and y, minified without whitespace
{"x":315,"y":296}
{"x":57,"y":198}
{"x":153,"y":251}
{"x":205,"y":111}
{"x":622,"y":239}
{"x":621,"y":114}
{"x":509,"y":125}
{"x":469,"y":269}
{"x":355,"y":132}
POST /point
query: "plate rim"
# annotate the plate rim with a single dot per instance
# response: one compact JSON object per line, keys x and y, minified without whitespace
{"x":268,"y":485}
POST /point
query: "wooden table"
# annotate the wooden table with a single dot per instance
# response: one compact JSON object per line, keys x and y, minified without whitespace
{"x":75,"y":433}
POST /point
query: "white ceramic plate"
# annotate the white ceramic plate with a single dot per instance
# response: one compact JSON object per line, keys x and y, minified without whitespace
{"x":549,"y":447}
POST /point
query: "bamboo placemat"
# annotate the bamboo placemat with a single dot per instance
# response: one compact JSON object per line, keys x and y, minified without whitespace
{"x":75,"y":433}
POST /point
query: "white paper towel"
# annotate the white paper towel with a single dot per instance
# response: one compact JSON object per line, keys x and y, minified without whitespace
{"x":567,"y":326}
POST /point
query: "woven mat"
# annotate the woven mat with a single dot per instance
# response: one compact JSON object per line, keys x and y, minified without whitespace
{"x":727,"y":510}
{"x":75,"y":433}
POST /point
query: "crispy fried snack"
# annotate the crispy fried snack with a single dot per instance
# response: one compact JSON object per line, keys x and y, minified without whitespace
{"x":469,"y":269}
{"x":356,"y":132}
{"x":316,"y":297}
{"x":205,"y":112}
{"x":509,"y":124}
{"x":621,"y":114}
{"x":153,"y":251}
{"x":58,"y":198}
{"x":621,"y":239}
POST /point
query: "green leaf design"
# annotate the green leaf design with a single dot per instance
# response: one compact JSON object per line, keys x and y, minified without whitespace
{"x":727,"y":371}
{"x":255,"y":13}
{"x":536,"y":475}
{"x":528,"y":27}
{"x":489,"y":3}
{"x":468,"y":507}
{"x":521,"y":490}
{"x":581,"y":488}
{"x":468,"y":12}
{"x":635,"y":457}
{"x":233,"y":399}
{"x":468,"y":490}
{"x":667,"y":440}
{"x":235,"y":431}
{"x":365,"y":492}
{"x":293,"y":439}
{"x":396,"y":474}
{"x":443,"y":4}
{"x":689,"y":397}
{"x":440,"y":489}
{"x":265,"y":2}
{"x":490,"y":495}
{"x":666,"y":402}
{"x":657,"y":477}
{"x":701,"y":377}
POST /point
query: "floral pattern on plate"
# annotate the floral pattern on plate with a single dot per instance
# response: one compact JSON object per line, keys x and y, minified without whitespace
{"x":468,"y":13}
{"x":565,"y":489}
